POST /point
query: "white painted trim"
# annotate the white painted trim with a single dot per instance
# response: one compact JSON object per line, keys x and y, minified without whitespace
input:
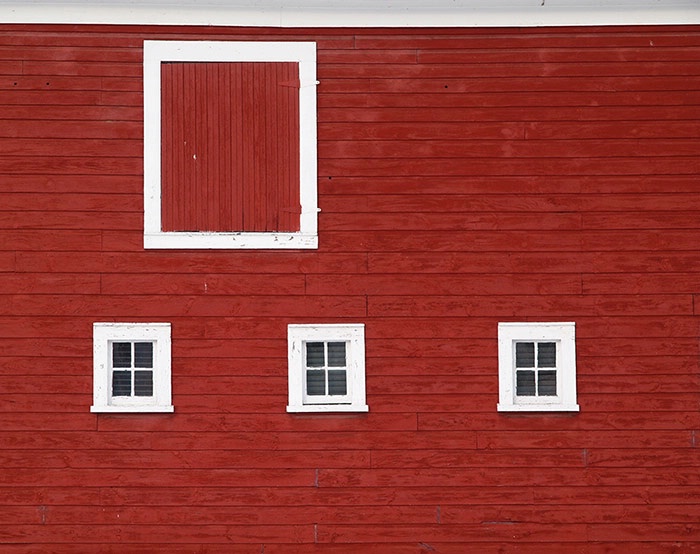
{"x":154,"y":53}
{"x":355,"y":13}
{"x":354,"y":335}
{"x":103,"y":335}
{"x":564,"y":334}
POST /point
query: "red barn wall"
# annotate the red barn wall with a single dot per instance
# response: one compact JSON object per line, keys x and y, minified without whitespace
{"x":466,"y":177}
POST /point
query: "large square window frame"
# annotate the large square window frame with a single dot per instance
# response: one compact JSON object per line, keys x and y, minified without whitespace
{"x":104,"y":334}
{"x":354,"y":337}
{"x":563,"y":334}
{"x":157,"y":52}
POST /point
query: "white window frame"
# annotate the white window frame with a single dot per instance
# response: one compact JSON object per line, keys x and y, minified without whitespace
{"x":563,"y":334}
{"x":156,"y":52}
{"x":354,"y":337}
{"x":104,"y":334}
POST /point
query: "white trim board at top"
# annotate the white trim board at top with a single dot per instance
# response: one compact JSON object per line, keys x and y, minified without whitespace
{"x":354,"y":13}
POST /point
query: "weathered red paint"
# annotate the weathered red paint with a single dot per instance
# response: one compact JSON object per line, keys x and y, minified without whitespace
{"x":230,"y":146}
{"x":466,"y":177}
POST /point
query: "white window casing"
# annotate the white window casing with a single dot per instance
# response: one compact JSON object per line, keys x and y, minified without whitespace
{"x":157,"y":398}
{"x":348,"y":362}
{"x":527,"y":384}
{"x":157,"y":52}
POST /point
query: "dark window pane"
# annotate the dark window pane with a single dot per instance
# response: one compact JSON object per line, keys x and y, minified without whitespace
{"x":121,"y":354}
{"x":121,"y":383}
{"x":547,"y":383}
{"x":143,"y":354}
{"x":315,"y":356}
{"x":143,"y":383}
{"x":337,"y":382}
{"x":336,"y":354}
{"x":525,"y":383}
{"x":524,"y":354}
{"x":547,"y":354}
{"x":316,"y":382}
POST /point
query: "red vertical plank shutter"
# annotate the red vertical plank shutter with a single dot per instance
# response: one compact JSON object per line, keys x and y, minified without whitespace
{"x":230,"y":147}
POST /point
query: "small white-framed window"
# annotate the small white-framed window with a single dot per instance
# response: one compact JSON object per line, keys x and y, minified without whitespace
{"x":131,"y":367}
{"x":326,"y":368}
{"x":537,"y":367}
{"x":230,"y":154}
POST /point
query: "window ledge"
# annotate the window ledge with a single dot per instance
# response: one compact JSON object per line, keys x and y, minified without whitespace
{"x":242,"y":240}
{"x":538,"y":407}
{"x":131,"y":409}
{"x":326,"y":408}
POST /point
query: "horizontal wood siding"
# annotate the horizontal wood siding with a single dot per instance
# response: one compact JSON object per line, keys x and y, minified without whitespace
{"x":466,"y":177}
{"x":230,"y":147}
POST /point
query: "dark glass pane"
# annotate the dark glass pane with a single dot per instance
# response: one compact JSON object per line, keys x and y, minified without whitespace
{"x":547,"y":354}
{"x":143,"y":383}
{"x":336,"y":354}
{"x":525,"y":383}
{"x":547,"y":383}
{"x":524,"y":354}
{"x":121,"y":354}
{"x":316,"y":382}
{"x":143,"y":354}
{"x":337,"y":382}
{"x":315,"y":356}
{"x":121,"y":383}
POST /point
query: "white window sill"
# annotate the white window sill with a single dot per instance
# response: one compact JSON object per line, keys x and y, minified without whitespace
{"x":207,"y":240}
{"x":131,"y":409}
{"x":326,"y":408}
{"x":538,"y":407}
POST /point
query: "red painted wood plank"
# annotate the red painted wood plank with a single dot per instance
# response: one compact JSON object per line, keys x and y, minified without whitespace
{"x":624,"y":419}
{"x":155,"y":477}
{"x":215,"y":262}
{"x":433,"y":284}
{"x":446,"y":68}
{"x":47,"y":423}
{"x":348,"y":221}
{"x":641,"y":283}
{"x":492,"y":477}
{"x":329,"y":440}
{"x":64,"y":129}
{"x":56,"y":241}
{"x":69,"y":220}
{"x":471,"y":262}
{"x":506,"y":84}
{"x":556,"y":55}
{"x":328,"y":308}
{"x":70,"y":148}
{"x":259,"y":422}
{"x":630,"y":100}
{"x":71,"y":165}
{"x":37,"y":283}
{"x":566,"y":515}
{"x":465,"y":149}
{"x":629,"y":37}
{"x":72,"y":183}
{"x":584,"y":439}
{"x":75,"y":113}
{"x":400,"y":459}
{"x":62,"y":52}
{"x":497,"y":531}
{"x":248,"y":459}
{"x":590,"y":205}
{"x":510,"y":130}
{"x":530,"y":306}
{"x":77,"y":534}
{"x":125,"y":283}
{"x":502,"y":184}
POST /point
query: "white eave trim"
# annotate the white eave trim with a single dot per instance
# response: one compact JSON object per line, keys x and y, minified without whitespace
{"x":354,"y":13}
